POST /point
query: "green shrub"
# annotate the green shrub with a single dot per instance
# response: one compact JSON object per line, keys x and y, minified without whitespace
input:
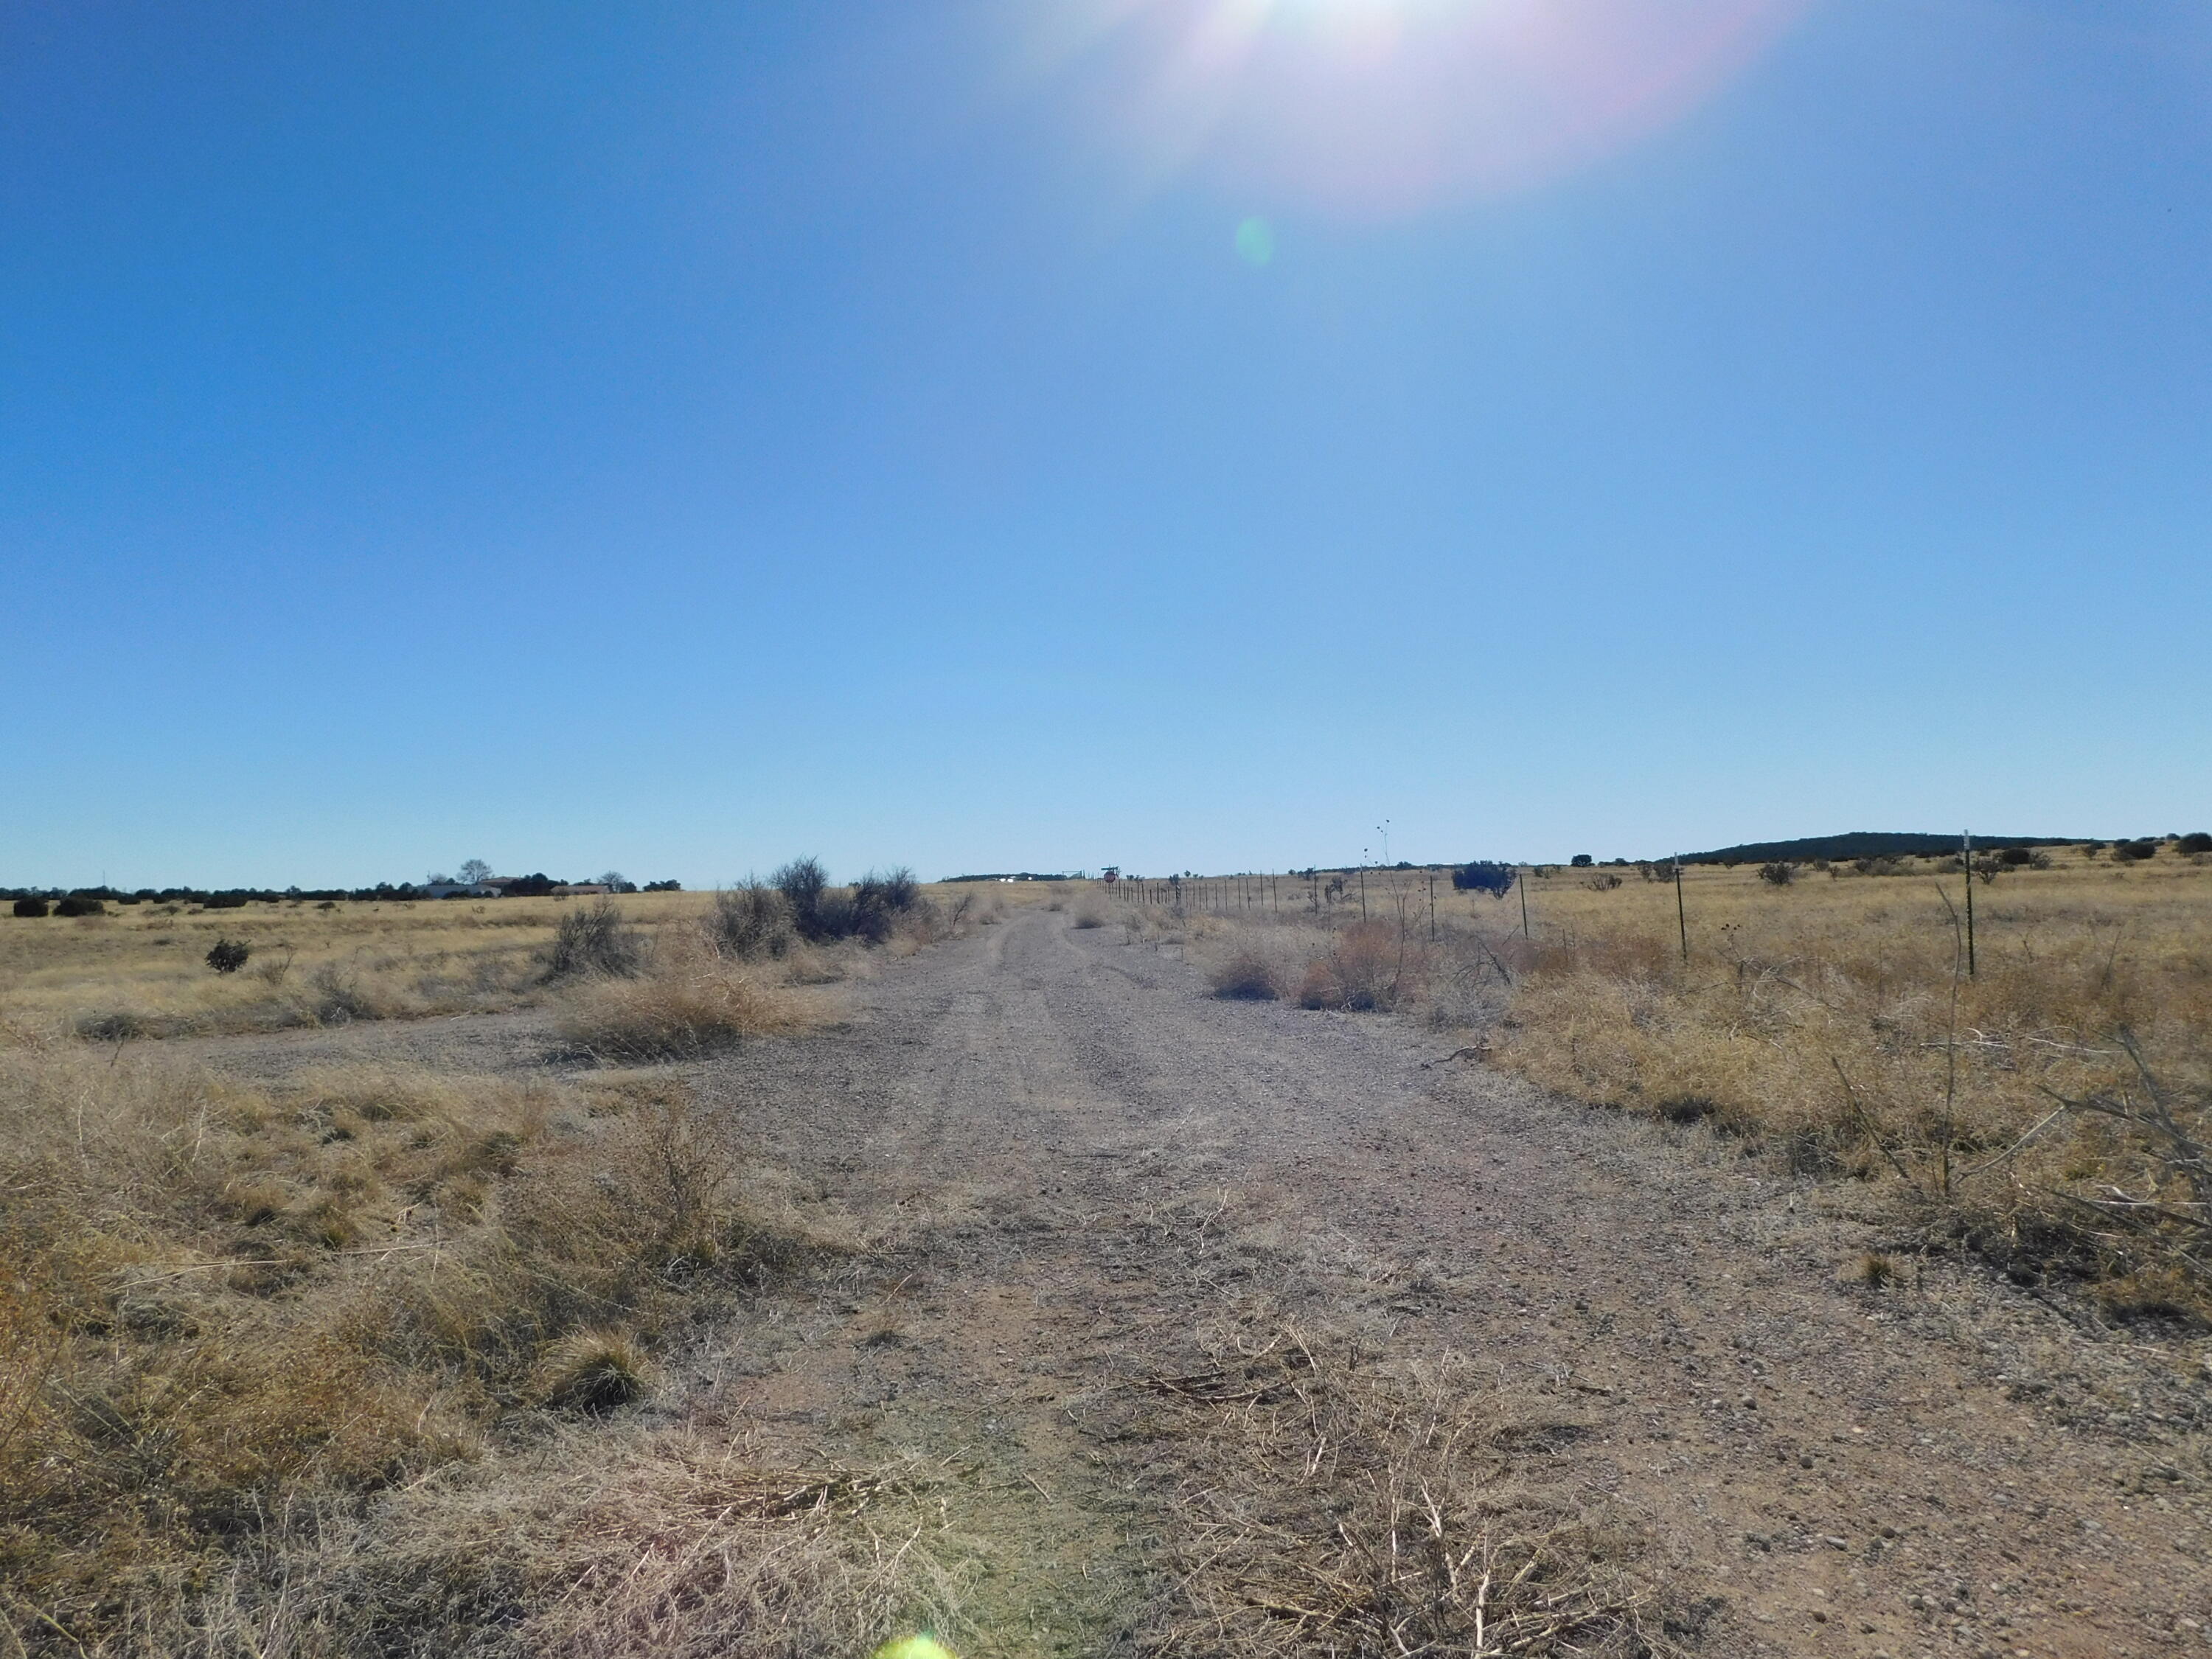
{"x":31,"y":907}
{"x":80,"y":904}
{"x":227,"y":956}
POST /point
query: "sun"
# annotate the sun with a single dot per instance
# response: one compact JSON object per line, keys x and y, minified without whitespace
{"x":1378,"y":107}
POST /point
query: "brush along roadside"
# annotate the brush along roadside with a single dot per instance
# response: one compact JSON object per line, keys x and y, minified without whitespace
{"x":1324,"y":1499}
{"x":744,"y":970}
{"x":2049,"y":1114}
{"x":221,"y":1302}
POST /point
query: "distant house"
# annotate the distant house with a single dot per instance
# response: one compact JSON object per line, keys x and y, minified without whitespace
{"x":438,"y":889}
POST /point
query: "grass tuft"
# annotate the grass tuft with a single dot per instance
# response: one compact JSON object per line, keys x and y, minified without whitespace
{"x":684,"y":1014}
{"x":593,"y":1372}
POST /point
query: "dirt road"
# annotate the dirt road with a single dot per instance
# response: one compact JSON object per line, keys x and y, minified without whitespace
{"x":1084,"y":1155}
{"x":1072,"y":1160}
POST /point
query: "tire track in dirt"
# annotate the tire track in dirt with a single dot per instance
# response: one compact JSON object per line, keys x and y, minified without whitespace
{"x":1074,"y":1154}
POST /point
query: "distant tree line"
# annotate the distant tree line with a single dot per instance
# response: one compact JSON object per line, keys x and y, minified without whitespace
{"x":95,"y":901}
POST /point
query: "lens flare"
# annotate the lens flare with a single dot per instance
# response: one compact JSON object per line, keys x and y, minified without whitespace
{"x":924,"y":1646}
{"x":1381,"y":107}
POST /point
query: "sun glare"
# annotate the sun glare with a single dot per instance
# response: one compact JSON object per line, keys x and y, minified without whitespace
{"x":1379,"y":107}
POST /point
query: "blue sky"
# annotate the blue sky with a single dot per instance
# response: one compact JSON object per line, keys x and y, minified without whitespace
{"x":676,"y":436}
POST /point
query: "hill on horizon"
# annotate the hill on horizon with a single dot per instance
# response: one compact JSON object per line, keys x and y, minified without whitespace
{"x":1864,"y":844}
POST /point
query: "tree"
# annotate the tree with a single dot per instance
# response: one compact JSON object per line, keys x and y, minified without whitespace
{"x":1484,"y":876}
{"x":616,"y":882}
{"x":474,"y":871}
{"x":1582,"y":860}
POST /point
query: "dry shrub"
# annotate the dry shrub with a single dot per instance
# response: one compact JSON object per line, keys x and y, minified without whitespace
{"x":1470,"y":978}
{"x":594,"y":939}
{"x":1325,"y":1502}
{"x":750,"y":920}
{"x":1368,"y":967}
{"x":1246,"y":974}
{"x":688,"y":1011}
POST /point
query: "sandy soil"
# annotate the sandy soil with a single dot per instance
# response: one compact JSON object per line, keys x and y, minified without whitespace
{"x":1073,"y":1158}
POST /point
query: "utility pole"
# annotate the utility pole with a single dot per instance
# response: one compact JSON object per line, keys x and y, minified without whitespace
{"x":1681,"y":916}
{"x":1524,"y":902}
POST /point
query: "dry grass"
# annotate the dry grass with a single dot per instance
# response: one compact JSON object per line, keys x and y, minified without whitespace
{"x":2054,"y":1114}
{"x":689,"y":1009}
{"x":1832,"y":1019}
{"x":1328,"y":1502}
{"x":140,"y":971}
{"x":223,"y":1305}
{"x":352,"y":1362}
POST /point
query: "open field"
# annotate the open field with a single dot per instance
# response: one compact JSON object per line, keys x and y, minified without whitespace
{"x":1009,"y":1277}
{"x":140,"y":971}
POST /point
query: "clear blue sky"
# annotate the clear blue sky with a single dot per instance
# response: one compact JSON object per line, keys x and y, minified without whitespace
{"x":674,"y":436}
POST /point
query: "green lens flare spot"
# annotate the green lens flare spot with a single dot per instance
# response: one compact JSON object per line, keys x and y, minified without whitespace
{"x":913,"y":1647}
{"x":1255,"y":242}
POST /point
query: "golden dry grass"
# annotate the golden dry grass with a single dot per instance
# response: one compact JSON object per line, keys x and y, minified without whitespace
{"x":1819,"y":1018}
{"x":687,"y":1009}
{"x":140,"y":972}
{"x":255,"y":1339}
{"x":220,"y":1303}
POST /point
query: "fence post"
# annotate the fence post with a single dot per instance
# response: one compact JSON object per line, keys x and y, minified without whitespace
{"x":1681,"y":916}
{"x":1522,"y":883}
{"x":1966,"y":858}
